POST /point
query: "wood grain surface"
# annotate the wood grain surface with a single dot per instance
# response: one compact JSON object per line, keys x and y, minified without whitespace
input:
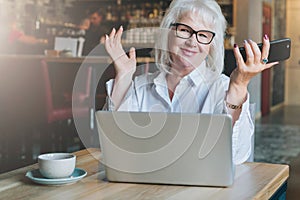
{"x":252,"y":181}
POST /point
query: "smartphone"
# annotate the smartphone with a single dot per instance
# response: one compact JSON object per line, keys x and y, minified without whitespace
{"x":280,"y":50}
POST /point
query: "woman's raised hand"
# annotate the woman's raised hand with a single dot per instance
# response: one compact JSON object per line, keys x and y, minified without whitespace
{"x":240,"y":77}
{"x":124,"y":64}
{"x":255,"y":63}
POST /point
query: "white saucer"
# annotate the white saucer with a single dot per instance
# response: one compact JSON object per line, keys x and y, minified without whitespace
{"x":36,"y":177}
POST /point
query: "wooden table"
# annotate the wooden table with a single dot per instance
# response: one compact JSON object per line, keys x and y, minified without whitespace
{"x":252,"y":181}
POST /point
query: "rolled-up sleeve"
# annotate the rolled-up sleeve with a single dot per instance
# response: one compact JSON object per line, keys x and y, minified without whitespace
{"x":128,"y":102}
{"x":243,"y":131}
{"x":243,"y":128}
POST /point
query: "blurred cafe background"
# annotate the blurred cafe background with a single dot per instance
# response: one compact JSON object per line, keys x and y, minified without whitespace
{"x":45,"y":43}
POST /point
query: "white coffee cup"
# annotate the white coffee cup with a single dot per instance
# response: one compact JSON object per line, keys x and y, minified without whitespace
{"x":56,"y":165}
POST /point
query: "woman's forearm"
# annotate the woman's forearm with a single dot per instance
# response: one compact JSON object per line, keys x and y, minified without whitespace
{"x":236,"y":96}
{"x":121,"y":85}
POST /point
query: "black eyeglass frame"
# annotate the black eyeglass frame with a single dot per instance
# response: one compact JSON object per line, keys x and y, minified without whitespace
{"x":194,"y":32}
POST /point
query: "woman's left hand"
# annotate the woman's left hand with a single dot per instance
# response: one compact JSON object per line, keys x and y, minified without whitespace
{"x":254,"y":63}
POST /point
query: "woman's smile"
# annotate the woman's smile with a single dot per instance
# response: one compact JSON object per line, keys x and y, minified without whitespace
{"x":188,"y":52}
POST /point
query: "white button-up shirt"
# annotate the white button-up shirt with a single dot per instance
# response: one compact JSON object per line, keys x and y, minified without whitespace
{"x":201,"y":91}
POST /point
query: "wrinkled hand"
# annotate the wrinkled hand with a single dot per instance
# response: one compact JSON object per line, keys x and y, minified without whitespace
{"x":124,"y":64}
{"x":246,"y":70}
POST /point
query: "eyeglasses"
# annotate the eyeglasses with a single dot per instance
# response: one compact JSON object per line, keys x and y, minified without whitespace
{"x":184,"y":31}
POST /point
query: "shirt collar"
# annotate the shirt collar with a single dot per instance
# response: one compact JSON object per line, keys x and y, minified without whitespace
{"x":160,"y":79}
{"x":195,"y":78}
{"x":201,"y":74}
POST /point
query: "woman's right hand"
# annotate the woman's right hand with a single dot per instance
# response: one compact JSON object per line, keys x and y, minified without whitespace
{"x":124,"y":64}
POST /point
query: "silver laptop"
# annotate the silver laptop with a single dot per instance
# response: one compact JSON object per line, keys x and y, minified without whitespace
{"x":166,"y":148}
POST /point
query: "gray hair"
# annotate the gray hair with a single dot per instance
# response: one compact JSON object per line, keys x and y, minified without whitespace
{"x":211,"y":15}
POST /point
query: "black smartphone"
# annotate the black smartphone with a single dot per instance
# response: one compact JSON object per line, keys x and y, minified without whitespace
{"x":279,"y":51}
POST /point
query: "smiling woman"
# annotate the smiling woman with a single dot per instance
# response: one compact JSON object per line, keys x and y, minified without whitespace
{"x":188,"y":48}
{"x":189,"y":53}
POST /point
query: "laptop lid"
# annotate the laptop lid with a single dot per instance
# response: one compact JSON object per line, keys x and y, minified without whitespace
{"x":66,"y":43}
{"x":166,"y":148}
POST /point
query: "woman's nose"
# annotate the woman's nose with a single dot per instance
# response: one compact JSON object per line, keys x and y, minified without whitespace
{"x":192,"y":41}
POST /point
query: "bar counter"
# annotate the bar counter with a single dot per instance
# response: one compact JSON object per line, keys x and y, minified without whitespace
{"x":252,"y":181}
{"x":61,"y":59}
